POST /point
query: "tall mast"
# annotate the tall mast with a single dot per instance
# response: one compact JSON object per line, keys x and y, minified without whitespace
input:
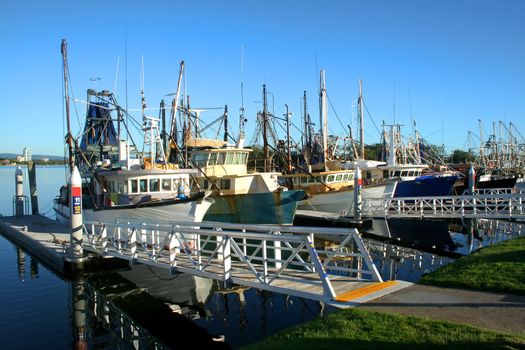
{"x":163,"y":131}
{"x":173,"y":128}
{"x":481,"y":154}
{"x":288,"y":152}
{"x":66,"y":96}
{"x":361,"y":120}
{"x":307,"y":140}
{"x":225,"y":123}
{"x":323,"y":117}
{"x":265,"y":135}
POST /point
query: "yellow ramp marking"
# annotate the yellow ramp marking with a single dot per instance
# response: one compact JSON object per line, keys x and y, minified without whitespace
{"x":363,"y":291}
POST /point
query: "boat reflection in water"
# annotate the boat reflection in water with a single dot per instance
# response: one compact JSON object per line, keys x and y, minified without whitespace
{"x":146,"y":307}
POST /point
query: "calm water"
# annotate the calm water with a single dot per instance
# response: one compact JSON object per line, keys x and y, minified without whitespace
{"x":143,"y":308}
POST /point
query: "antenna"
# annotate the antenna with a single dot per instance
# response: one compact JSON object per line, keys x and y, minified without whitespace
{"x":143,"y":98}
{"x":116,"y":77}
{"x":242,"y":77}
{"x":394,"y":101}
{"x":126,"y":64}
{"x":242,"y":120}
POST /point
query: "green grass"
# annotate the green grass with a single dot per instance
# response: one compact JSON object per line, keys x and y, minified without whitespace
{"x":360,"y":329}
{"x":496,"y":268}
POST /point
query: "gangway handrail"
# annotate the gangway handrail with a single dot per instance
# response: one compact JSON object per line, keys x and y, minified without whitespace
{"x":262,"y":256}
{"x":490,"y":205}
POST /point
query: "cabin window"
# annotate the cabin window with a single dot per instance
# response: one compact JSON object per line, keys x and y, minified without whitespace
{"x":134,"y":185}
{"x":330,"y":178}
{"x":200,"y":159}
{"x":397,"y":173}
{"x":229,"y":158}
{"x":166,"y":185}
{"x":304,"y":179}
{"x":385,"y":174}
{"x":143,"y":185}
{"x":122,"y":187}
{"x":225,"y":184}
{"x":205,"y":184}
{"x":368,"y":174}
{"x":154,"y":185}
{"x":236,"y":158}
{"x":338,"y":177}
{"x":175,"y":184}
{"x":350,"y":177}
{"x":213,"y":159}
{"x":318,"y":179}
{"x":345,"y":177}
{"x":294,"y":180}
{"x":404,"y":173}
{"x":220,"y":158}
{"x":311,"y":179}
{"x":244,"y":158}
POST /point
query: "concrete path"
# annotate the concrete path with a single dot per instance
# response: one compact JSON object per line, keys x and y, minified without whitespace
{"x":499,"y":312}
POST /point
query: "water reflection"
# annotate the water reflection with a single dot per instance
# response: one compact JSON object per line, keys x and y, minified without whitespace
{"x":403,"y":263}
{"x":99,"y":323}
{"x":173,"y":308}
{"x":148,"y":308}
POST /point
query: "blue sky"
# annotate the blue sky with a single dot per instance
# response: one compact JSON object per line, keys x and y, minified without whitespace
{"x":446,"y":64}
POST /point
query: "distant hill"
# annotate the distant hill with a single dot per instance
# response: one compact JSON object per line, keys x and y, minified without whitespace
{"x":35,"y":156}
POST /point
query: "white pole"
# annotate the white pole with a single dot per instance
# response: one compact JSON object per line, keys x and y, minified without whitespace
{"x":19,"y":192}
{"x":76,"y":254}
{"x":357,"y":194}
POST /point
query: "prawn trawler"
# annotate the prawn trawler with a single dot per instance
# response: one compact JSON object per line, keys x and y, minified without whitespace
{"x":242,"y":197}
{"x":116,"y":185}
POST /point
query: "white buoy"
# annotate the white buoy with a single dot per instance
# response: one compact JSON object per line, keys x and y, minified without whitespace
{"x":76,"y":254}
{"x":19,"y":192}
{"x":357,"y":194}
{"x":471,"y":180}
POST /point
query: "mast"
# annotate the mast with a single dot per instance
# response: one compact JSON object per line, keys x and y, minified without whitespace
{"x":323,"y":116}
{"x":307,"y":139}
{"x":172,"y":150}
{"x":225,"y":123}
{"x":288,"y":154}
{"x":481,"y":155}
{"x":163,"y":121}
{"x":188,"y":129}
{"x":265,"y":132}
{"x":361,"y":120}
{"x":173,"y":128}
{"x":66,"y":96}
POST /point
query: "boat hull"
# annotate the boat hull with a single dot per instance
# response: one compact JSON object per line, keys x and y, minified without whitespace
{"x":426,"y":187}
{"x":256,"y":208}
{"x":341,"y":202}
{"x":193,"y":211}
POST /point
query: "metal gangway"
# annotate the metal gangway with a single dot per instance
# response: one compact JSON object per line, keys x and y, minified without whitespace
{"x":283,"y":259}
{"x":508,"y":204}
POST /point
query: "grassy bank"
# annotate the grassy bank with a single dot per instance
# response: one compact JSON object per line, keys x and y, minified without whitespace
{"x":496,"y":268}
{"x":360,"y":329}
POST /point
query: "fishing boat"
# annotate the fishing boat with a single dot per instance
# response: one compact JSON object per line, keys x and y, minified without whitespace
{"x":118,"y":182}
{"x":239,"y":196}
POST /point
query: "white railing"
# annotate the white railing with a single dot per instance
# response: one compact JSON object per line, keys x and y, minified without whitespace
{"x":498,"y":191}
{"x":492,"y":206}
{"x":278,"y":258}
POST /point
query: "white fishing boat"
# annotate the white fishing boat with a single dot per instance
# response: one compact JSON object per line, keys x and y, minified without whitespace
{"x":118,"y":182}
